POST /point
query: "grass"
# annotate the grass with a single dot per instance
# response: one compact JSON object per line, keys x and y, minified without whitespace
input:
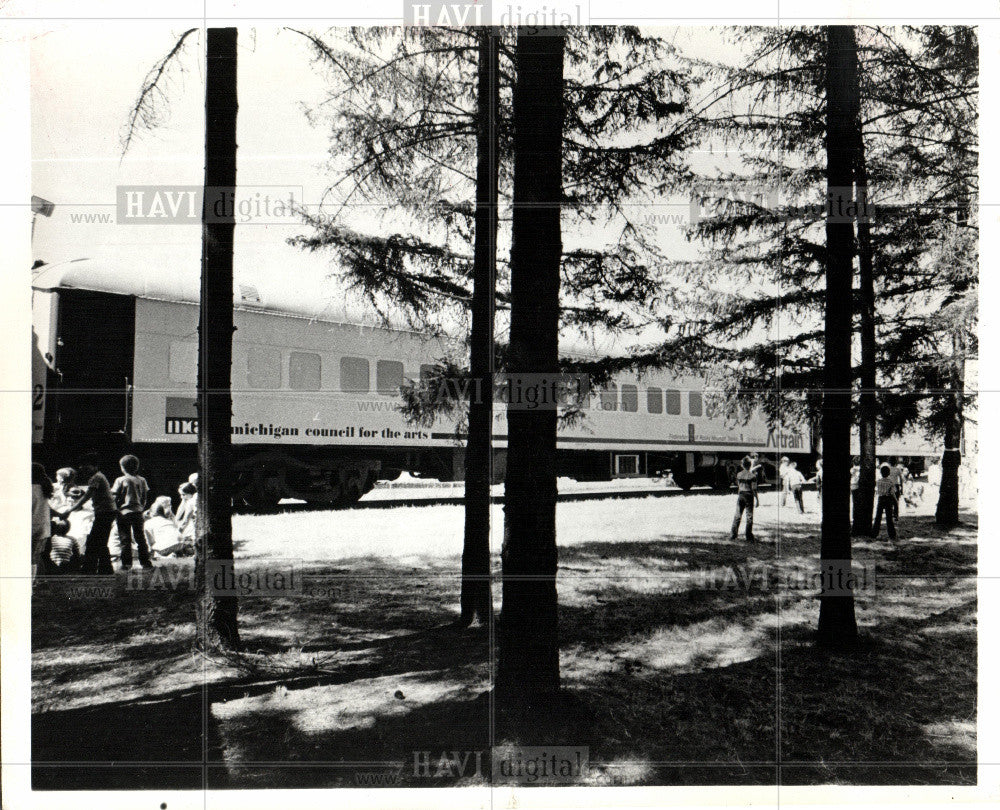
{"x":685,"y":658}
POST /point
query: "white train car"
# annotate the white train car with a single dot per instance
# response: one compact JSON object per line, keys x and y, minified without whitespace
{"x":315,"y":395}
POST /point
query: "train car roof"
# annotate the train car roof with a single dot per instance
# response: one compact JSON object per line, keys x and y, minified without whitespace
{"x":321,"y":300}
{"x":317,"y":299}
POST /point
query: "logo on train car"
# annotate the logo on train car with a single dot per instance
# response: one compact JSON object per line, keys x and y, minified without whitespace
{"x":785,"y":441}
{"x":181,"y":417}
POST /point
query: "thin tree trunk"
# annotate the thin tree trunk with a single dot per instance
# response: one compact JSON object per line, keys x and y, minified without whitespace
{"x":216,"y":612}
{"x":946,"y":514}
{"x":868,"y":402}
{"x":476,"y":593}
{"x":837,"y":624}
{"x":528,"y":644}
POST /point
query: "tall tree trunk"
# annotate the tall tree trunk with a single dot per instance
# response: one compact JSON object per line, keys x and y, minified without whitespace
{"x":868,"y":402}
{"x":837,"y":624}
{"x":476,"y":593}
{"x":528,"y":643}
{"x":947,"y":506}
{"x":216,"y":612}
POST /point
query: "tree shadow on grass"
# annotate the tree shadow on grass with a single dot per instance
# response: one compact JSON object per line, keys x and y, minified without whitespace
{"x":675,"y":685}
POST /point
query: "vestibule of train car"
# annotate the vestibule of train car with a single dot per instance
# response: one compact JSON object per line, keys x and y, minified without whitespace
{"x":94,"y":358}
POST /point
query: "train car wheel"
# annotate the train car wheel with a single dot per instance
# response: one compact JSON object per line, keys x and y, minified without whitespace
{"x":721,"y":480}
{"x":250,"y":496}
{"x":683,"y":480}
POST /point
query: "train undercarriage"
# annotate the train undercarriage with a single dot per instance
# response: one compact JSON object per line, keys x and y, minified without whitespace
{"x":339,"y":477}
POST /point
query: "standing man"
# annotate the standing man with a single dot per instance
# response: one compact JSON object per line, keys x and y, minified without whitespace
{"x":900,"y":476}
{"x":794,"y":481}
{"x":782,"y":478}
{"x":746,"y":488}
{"x":756,"y":468}
{"x":885,"y":490}
{"x":818,"y":478}
{"x":96,"y":557}
{"x":855,"y":482}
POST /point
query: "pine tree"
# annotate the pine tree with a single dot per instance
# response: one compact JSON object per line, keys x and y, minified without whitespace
{"x":217,"y":624}
{"x":216,"y":613}
{"x":414,"y":155}
{"x":528,"y":641}
{"x":760,"y":317}
{"x":837,"y":624}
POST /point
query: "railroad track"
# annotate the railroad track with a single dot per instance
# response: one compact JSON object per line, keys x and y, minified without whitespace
{"x":563,"y":497}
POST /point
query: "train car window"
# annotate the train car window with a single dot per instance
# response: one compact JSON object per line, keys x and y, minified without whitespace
{"x":694,"y":403}
{"x":609,"y":398}
{"x":388,"y":376}
{"x":673,"y":402}
{"x":578,"y":394}
{"x":183,"y":362}
{"x":304,"y":371}
{"x":654,"y":400}
{"x":354,"y":375}
{"x":630,"y":398}
{"x":263,"y":368}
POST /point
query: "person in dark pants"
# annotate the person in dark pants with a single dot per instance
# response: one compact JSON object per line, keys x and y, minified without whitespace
{"x":755,"y":468}
{"x":855,"y":484}
{"x":130,"y":492}
{"x":96,"y":557}
{"x":795,"y":480}
{"x":885,"y":489}
{"x":746,"y":487}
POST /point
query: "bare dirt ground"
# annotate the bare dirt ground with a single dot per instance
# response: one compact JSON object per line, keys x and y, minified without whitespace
{"x":689,"y":657}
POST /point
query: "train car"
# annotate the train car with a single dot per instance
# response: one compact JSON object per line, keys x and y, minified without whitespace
{"x":316,"y":394}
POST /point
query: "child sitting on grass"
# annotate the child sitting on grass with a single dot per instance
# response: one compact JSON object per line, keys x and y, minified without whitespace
{"x":161,"y":532}
{"x":64,"y":552}
{"x":187,"y":512}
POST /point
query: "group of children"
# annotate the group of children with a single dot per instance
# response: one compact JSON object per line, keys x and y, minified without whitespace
{"x":890,"y":488}
{"x":72,"y":525}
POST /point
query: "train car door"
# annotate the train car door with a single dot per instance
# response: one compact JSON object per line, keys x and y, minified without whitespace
{"x":43,"y":351}
{"x":96,"y":348}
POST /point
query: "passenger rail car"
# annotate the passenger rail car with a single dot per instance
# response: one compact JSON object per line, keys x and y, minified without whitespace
{"x":315,"y":395}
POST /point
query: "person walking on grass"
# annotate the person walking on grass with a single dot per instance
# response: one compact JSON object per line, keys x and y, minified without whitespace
{"x":818,"y":478}
{"x":794,"y":481}
{"x":746,"y":488}
{"x":130,"y":492}
{"x":96,"y":556}
{"x":885,"y":489}
{"x":783,"y":467}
